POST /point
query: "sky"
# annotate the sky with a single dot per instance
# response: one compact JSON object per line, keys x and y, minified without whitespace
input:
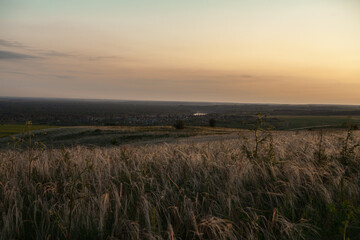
{"x":254,"y":51}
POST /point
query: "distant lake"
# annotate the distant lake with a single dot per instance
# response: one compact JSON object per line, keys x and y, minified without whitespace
{"x":199,"y":114}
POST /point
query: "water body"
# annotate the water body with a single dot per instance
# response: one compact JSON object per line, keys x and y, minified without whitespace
{"x":199,"y":114}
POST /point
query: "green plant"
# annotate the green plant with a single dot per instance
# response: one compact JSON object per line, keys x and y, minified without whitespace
{"x":347,"y":154}
{"x":260,"y":137}
{"x":114,"y":141}
{"x":320,"y":151}
{"x":345,"y":215}
{"x":29,"y":147}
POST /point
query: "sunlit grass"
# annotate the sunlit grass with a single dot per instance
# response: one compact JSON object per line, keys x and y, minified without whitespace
{"x":297,"y":185}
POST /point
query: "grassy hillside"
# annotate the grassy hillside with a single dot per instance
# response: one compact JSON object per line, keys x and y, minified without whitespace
{"x":287,"y":185}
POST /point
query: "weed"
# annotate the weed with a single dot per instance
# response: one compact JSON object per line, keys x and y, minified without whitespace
{"x":320,"y":151}
{"x":260,"y":138}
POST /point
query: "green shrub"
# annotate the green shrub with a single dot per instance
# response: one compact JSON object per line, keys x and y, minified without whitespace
{"x":212,"y":122}
{"x":179,"y":124}
{"x":114,"y":141}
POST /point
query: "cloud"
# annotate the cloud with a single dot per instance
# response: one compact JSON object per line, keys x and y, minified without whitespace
{"x":12,"y":44}
{"x":246,"y":76}
{"x":52,"y":53}
{"x":18,"y":73}
{"x":97,"y":58}
{"x":63,"y":76}
{"x":45,"y":52}
{"x":7,"y":55}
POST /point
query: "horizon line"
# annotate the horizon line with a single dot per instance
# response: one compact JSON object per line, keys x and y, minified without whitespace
{"x":174,"y":101}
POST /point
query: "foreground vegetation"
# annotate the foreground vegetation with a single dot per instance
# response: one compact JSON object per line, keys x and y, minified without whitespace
{"x":280,"y":185}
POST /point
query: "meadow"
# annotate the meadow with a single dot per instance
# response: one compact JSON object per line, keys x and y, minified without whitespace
{"x":261,"y":185}
{"x":12,"y":129}
{"x":110,"y":135}
{"x":307,"y":122}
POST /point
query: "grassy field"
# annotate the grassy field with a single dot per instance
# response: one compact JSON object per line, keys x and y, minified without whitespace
{"x":294,"y":122}
{"x":116,"y":135}
{"x":281,"y":185}
{"x":11,"y":129}
{"x":286,"y":122}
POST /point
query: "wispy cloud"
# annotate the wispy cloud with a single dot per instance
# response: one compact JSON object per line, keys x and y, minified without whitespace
{"x":52,"y":53}
{"x":63,"y":76}
{"x":12,"y":44}
{"x":45,"y":52}
{"x":246,"y":76}
{"x":18,"y":73}
{"x":97,"y":58}
{"x":7,"y":55}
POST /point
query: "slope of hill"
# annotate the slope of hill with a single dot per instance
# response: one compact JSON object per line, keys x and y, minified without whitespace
{"x":284,"y":185}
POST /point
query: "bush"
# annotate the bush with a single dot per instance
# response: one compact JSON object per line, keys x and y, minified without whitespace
{"x":354,"y":127}
{"x":212,"y":122}
{"x":113,"y":141}
{"x":179,"y":124}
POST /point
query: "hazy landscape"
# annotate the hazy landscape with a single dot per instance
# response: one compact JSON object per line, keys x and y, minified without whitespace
{"x":181,"y":120}
{"x":237,"y":185}
{"x":109,"y":180}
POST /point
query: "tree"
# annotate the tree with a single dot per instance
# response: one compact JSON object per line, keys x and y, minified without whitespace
{"x":212,"y":122}
{"x":179,"y":124}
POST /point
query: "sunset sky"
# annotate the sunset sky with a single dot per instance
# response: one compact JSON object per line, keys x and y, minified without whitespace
{"x":255,"y":51}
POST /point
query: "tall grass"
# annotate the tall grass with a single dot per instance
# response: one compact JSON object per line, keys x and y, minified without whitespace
{"x":211,"y":190}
